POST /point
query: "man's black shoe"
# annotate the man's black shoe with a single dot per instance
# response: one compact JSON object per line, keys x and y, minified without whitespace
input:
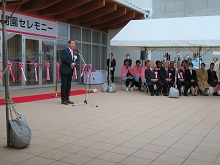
{"x":157,"y":94}
{"x":165,"y":94}
{"x":185,"y":94}
{"x":69,"y":102}
{"x":64,"y":102}
{"x":152,"y":94}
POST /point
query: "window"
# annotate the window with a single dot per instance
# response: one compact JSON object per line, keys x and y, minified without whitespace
{"x":96,"y":37}
{"x":63,"y":30}
{"x":86,"y":35}
{"x":75,"y":33}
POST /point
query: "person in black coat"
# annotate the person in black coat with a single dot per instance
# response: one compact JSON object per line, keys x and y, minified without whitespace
{"x":191,"y":78}
{"x":213,"y":80}
{"x":181,"y":80}
{"x":152,"y":77}
{"x":68,"y":62}
{"x":166,"y":77}
{"x":112,"y":63}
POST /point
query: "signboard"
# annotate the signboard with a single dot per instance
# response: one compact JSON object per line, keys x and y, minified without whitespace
{"x":31,"y":25}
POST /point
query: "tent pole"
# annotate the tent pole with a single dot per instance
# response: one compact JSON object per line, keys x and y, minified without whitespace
{"x":6,"y":76}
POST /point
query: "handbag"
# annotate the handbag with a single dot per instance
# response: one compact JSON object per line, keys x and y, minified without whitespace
{"x":20,"y":133}
{"x":174,"y":93}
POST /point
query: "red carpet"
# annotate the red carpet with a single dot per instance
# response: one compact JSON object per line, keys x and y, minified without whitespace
{"x":23,"y":99}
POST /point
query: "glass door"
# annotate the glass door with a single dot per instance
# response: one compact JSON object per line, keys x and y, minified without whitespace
{"x":48,"y":64}
{"x":32,"y":62}
{"x":39,"y":61}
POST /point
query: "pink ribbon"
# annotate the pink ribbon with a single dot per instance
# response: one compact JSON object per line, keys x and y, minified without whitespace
{"x":90,"y":70}
{"x":35,"y":71}
{"x":48,"y":71}
{"x":156,"y":73}
{"x":181,"y":75}
{"x":75,"y":73}
{"x":169,"y":75}
{"x":11,"y":71}
{"x":0,"y":76}
{"x":22,"y":71}
{"x":58,"y":70}
{"x":83,"y":70}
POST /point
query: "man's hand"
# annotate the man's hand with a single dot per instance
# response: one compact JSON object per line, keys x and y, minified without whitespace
{"x":192,"y":80}
{"x":154,"y":80}
{"x":73,"y":65}
{"x":181,"y":79}
{"x":168,"y":79}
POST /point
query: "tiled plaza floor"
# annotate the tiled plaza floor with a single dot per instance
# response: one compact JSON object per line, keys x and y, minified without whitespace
{"x":127,"y":128}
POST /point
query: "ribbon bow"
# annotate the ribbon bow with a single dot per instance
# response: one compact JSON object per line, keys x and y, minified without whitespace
{"x":22,"y":71}
{"x":83,"y":70}
{"x":35,"y":71}
{"x":11,"y":71}
{"x":156,"y":73}
{"x":48,"y":71}
{"x":170,"y":75}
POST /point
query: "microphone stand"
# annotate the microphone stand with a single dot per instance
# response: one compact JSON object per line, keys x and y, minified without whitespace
{"x":85,"y":102}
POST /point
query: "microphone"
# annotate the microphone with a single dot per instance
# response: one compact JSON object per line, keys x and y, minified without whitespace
{"x":76,"y":50}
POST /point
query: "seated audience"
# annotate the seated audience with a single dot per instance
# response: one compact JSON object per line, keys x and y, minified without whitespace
{"x":127,"y":75}
{"x":137,"y":74}
{"x":158,"y":65}
{"x":181,"y":80}
{"x":191,"y":78}
{"x":152,"y":77}
{"x":213,"y":79}
{"x":172,"y":66}
{"x":202,"y":76}
{"x":166,"y":77}
{"x":143,"y":80}
{"x":184,"y":66}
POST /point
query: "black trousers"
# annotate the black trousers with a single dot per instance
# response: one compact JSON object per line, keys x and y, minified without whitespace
{"x":138,"y":84}
{"x":128,"y":80}
{"x":112,"y":72}
{"x":65,"y":86}
{"x":159,"y":85}
{"x":185,"y":84}
{"x":166,"y":84}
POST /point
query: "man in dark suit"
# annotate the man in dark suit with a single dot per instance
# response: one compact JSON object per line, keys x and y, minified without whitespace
{"x":112,"y":63}
{"x":152,"y":77}
{"x":166,"y":77}
{"x":68,"y":62}
{"x":181,"y":80}
{"x":213,"y":80}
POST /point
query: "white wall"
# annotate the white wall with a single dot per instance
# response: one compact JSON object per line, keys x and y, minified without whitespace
{"x":120,"y":53}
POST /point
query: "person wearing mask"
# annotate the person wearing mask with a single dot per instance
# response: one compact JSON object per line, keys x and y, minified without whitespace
{"x":127,"y":75}
{"x":129,"y":59}
{"x":111,"y":63}
{"x":152,"y":77}
{"x":213,"y":80}
{"x":191,"y":78}
{"x":216,"y":67}
{"x":202,"y":76}
{"x":196,"y":63}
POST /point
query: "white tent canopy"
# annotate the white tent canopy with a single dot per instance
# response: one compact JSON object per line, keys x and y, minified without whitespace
{"x":185,"y":33}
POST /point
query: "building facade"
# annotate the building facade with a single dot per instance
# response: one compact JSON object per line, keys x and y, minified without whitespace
{"x":37,"y":33}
